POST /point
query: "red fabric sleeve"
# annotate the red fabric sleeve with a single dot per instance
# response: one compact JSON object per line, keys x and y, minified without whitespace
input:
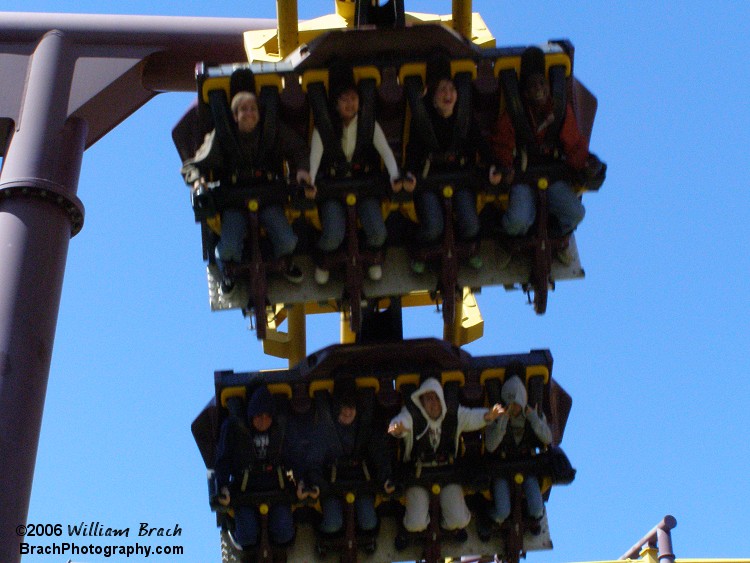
{"x":575,"y":145}
{"x":503,"y":140}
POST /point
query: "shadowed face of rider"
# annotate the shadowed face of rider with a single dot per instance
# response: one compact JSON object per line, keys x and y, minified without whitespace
{"x":537,"y":90}
{"x":445,"y":97}
{"x":262,"y":422}
{"x":247,"y":114}
{"x":347,"y":105}
{"x":347,"y":414}
{"x":431,"y":404}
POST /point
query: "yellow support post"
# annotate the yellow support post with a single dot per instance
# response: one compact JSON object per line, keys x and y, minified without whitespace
{"x":468,"y":324}
{"x":286,"y":13}
{"x":292,"y":344}
{"x":346,"y":9}
{"x":462,"y":17}
{"x":451,"y":332}
{"x":272,"y":45}
{"x":297,"y":334}
{"x":649,"y":554}
{"x":346,"y":334}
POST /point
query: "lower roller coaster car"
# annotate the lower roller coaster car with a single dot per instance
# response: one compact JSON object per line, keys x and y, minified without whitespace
{"x":383,"y":375}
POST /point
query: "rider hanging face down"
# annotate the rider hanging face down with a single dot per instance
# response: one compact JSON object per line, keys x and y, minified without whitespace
{"x":514,"y":435}
{"x":350,"y":449}
{"x":457,"y":148}
{"x":250,"y":458}
{"x":552,"y":143}
{"x":257,"y":159}
{"x":358,"y":157}
{"x":431,"y":432}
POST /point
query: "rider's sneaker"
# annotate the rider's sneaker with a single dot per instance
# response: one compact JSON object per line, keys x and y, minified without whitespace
{"x":461,"y":535}
{"x":418,"y":266}
{"x":375,"y":272}
{"x":535,"y":527}
{"x":476,"y":262}
{"x":292,"y":273}
{"x":502,"y":257}
{"x":564,"y":256}
{"x":401,"y":542}
{"x":226,"y":287}
{"x":485,"y":526}
{"x":321,"y":276}
{"x":367,"y":542}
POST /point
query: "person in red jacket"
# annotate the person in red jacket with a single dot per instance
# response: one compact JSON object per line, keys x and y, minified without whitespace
{"x":518,"y":158}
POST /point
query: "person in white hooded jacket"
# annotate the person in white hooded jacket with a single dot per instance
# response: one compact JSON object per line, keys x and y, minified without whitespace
{"x":514,"y":435}
{"x":431,"y":434}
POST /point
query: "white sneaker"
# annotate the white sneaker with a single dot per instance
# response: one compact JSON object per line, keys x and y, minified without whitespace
{"x":375,"y":272}
{"x":226,"y":286}
{"x":418,"y":266}
{"x":564,"y":256}
{"x":502,"y":257}
{"x":321,"y":276}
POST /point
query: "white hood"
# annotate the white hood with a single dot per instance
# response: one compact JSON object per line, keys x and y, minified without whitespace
{"x":514,"y":391}
{"x":430,"y":385}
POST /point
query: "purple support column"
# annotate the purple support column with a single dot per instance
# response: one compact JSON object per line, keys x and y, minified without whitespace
{"x":660,"y":536}
{"x":38,"y":213}
{"x":664,"y":541}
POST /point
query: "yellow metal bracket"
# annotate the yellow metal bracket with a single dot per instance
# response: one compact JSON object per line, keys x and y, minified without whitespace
{"x":272,"y":45}
{"x":464,"y":65}
{"x":313,"y":76}
{"x":468,"y":325}
{"x":292,"y":344}
{"x":535,"y":371}
{"x":214,"y":83}
{"x":229,"y":392}
{"x":365,"y":72}
{"x":412,"y":69}
{"x":453,"y":375}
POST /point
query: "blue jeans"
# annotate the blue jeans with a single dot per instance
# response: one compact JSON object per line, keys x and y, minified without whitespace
{"x":562,"y":201}
{"x":234,"y":229}
{"x":333,"y":223}
{"x":430,"y":213}
{"x":333,"y":513}
{"x":232,"y":240}
{"x":279,"y":231}
{"x":501,"y":496}
{"x":247,"y":524}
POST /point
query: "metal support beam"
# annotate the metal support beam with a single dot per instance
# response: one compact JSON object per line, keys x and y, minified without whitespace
{"x":37,"y":188}
{"x":286,"y":12}
{"x":292,"y":344}
{"x":46,"y":122}
{"x":462,"y":18}
{"x":468,"y":324}
{"x":346,"y":9}
{"x":661,"y":536}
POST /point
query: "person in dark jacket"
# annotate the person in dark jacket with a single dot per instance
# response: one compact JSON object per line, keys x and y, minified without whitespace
{"x":452,"y":154}
{"x":568,"y":147}
{"x":249,"y":458}
{"x":350,"y":448}
{"x":212,"y":160}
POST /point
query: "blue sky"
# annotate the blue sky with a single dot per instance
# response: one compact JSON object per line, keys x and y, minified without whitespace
{"x":651,"y":345}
